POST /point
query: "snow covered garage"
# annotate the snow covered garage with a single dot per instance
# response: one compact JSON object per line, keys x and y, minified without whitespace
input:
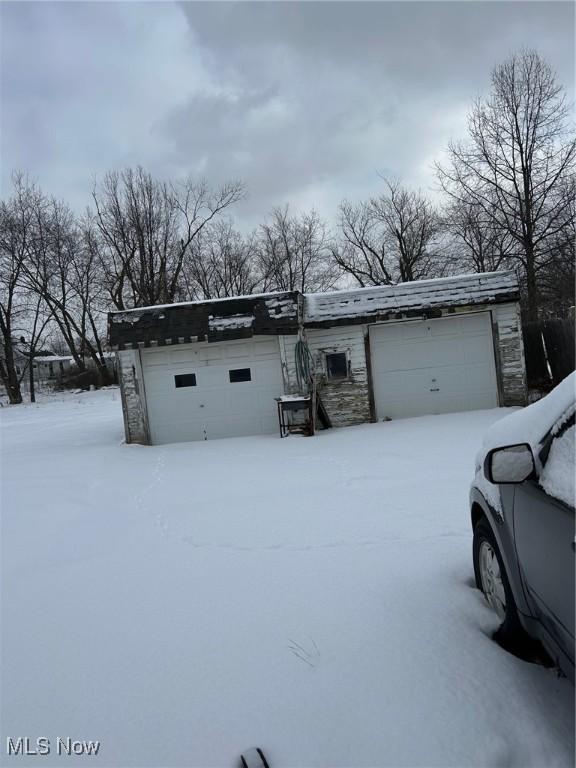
{"x":426,"y":347}
{"x":204,"y":370}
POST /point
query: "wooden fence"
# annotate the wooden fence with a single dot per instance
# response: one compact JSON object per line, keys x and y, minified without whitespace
{"x":549,"y":349}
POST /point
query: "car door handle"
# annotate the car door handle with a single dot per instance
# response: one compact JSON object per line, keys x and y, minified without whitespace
{"x":574,"y":546}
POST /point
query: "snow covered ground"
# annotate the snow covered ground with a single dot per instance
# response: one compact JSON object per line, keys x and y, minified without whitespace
{"x":312,"y":596}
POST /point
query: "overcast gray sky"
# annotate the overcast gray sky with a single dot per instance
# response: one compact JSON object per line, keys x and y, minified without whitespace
{"x":304,"y":101}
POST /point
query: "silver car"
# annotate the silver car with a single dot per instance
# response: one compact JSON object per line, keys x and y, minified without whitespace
{"x":522,"y":509}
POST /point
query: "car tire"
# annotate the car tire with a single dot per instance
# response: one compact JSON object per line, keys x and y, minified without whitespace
{"x":511,"y":635}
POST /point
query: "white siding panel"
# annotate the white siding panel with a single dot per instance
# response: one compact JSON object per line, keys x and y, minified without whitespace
{"x":511,"y":353}
{"x":346,"y":401}
{"x":133,"y":399}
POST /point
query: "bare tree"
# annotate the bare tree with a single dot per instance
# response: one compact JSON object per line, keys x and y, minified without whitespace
{"x":362,"y":251}
{"x":219,"y":263}
{"x":16,"y":234}
{"x":24,"y":317}
{"x":557,"y":278}
{"x":294,"y":253}
{"x":85,"y":279}
{"x":38,"y":319}
{"x":475,"y":243}
{"x":518,"y":153}
{"x":62,"y":269}
{"x":147,"y":228}
{"x":412,"y":226}
{"x":390,"y":238}
{"x":49,"y":260}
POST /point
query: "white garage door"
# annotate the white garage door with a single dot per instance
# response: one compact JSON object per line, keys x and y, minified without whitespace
{"x":433,"y":366}
{"x":207,"y":391}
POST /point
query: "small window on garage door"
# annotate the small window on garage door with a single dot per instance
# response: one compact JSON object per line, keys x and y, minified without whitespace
{"x":240,"y":374}
{"x":185,"y":380}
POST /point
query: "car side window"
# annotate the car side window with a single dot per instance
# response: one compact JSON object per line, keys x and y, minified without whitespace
{"x":557,"y":478}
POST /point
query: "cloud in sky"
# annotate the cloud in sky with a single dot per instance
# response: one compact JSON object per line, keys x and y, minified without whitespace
{"x":304,"y":101}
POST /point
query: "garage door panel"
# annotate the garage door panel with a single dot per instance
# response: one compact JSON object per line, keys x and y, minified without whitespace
{"x":399,"y":332}
{"x":398,"y":384}
{"x":421,"y":355}
{"x":208,"y":355}
{"x":230,"y":404}
{"x":215,"y":407}
{"x":268,"y":347}
{"x":433,"y":366}
{"x":156,"y":357}
{"x":262,"y":376}
{"x":478,"y":350}
{"x":477,"y":322}
{"x":178,"y":430}
{"x":415,"y":405}
{"x":450,"y":378}
{"x":443,"y":329}
{"x":161,"y":382}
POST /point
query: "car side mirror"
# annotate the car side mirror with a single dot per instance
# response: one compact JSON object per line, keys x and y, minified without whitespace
{"x":510,"y":464}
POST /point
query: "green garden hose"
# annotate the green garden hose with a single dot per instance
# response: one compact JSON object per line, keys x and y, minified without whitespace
{"x":304,"y":366}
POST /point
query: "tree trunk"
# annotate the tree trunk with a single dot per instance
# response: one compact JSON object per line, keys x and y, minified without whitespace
{"x":103,"y":373}
{"x":531,"y":286}
{"x":31,"y":381}
{"x":13,"y":387}
{"x":10,"y":377}
{"x":14,"y":393}
{"x":99,"y":358}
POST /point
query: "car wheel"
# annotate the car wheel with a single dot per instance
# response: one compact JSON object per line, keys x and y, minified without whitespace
{"x":492,"y":580}
{"x":490,"y":574}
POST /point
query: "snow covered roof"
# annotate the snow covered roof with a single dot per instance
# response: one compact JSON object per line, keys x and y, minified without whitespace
{"x":485,"y":288}
{"x":117,"y":315}
{"x":280,"y":312}
{"x":52,"y":358}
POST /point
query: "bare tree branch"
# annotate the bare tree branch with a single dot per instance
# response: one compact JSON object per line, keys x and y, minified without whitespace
{"x":519,"y":155}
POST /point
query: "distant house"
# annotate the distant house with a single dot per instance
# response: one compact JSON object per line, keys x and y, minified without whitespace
{"x":203,"y":370}
{"x":48,"y":367}
{"x":51,"y":367}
